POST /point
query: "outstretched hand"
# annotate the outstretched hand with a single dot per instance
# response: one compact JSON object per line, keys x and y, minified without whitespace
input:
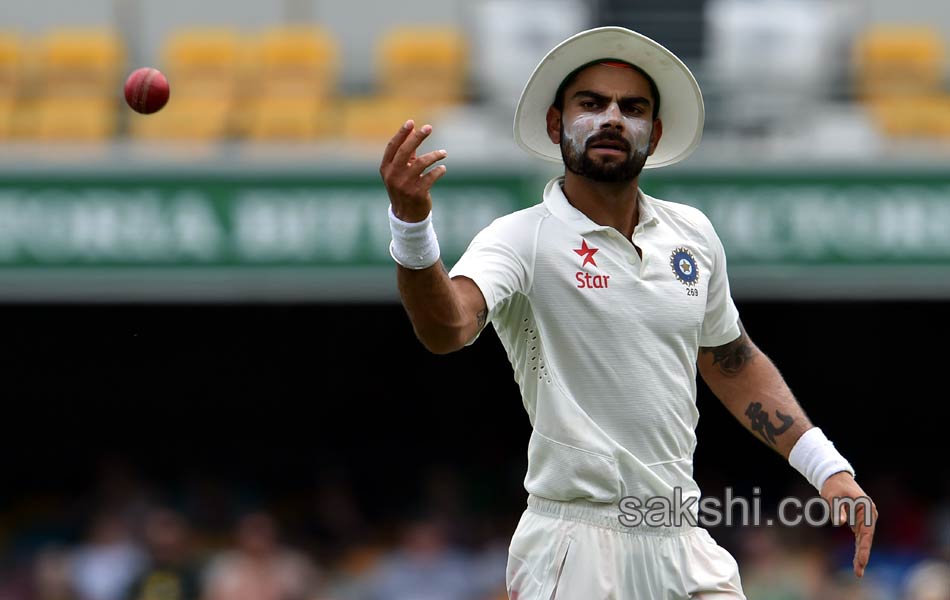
{"x":404,"y":173}
{"x":843,"y":485}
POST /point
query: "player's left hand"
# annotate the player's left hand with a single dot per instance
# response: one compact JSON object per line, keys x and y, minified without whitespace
{"x":843,"y":485}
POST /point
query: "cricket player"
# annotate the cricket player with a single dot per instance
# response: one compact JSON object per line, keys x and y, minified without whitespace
{"x":607,"y":302}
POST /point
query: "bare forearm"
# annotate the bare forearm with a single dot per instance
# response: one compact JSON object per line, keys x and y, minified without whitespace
{"x":438,"y":312}
{"x":753,"y":390}
{"x":761,"y":400}
{"x":436,"y":306}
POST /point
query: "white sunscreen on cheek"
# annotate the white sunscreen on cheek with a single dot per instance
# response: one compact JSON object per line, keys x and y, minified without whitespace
{"x":580,"y":131}
{"x":587,"y":125}
{"x":640,"y":134}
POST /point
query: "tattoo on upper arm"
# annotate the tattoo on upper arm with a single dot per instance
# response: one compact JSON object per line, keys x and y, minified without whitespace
{"x":762,"y":425}
{"x":481,"y":317}
{"x":732,"y":357}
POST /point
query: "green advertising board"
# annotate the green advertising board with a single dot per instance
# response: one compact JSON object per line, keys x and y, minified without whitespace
{"x":325,"y":237}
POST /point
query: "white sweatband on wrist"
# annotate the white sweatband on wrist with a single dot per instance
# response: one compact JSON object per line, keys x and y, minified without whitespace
{"x":414,"y":245}
{"x":815,"y":457}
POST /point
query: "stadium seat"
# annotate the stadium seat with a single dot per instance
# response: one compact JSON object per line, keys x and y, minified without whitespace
{"x":918,"y":117}
{"x":11,"y":65}
{"x":899,"y":60}
{"x":85,"y":119}
{"x":376,"y":119}
{"x":289,"y":118}
{"x":191,"y":118}
{"x":205,"y":69}
{"x":7,"y":114}
{"x":294,"y":70}
{"x":424,"y":64}
{"x":295,"y":61}
{"x":80,"y":62}
{"x":940,"y":125}
{"x":204,"y":62}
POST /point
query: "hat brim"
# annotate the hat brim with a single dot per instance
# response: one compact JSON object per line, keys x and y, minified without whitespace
{"x":681,"y":102}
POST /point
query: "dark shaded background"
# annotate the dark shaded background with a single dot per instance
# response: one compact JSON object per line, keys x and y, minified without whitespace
{"x":217,"y":409}
{"x":278,"y":394}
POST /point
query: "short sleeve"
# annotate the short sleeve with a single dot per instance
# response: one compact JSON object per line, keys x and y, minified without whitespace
{"x":499,"y":261}
{"x":721,"y":321}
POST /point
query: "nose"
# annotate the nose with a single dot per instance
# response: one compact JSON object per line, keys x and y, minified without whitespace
{"x":614,"y":117}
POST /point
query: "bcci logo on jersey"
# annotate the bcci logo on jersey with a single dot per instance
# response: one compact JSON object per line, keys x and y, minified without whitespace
{"x":684,"y":266}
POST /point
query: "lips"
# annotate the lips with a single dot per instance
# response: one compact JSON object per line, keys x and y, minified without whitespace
{"x":618,"y":145}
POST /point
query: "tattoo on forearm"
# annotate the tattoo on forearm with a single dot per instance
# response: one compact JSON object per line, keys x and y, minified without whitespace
{"x":732,"y":357}
{"x":481,"y":317}
{"x":763,"y":426}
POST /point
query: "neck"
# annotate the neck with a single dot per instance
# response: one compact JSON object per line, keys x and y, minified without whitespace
{"x":614,"y":204}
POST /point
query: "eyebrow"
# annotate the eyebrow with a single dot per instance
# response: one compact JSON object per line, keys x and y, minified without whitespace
{"x":602,"y":98}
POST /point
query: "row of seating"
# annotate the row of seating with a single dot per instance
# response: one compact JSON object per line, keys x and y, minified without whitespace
{"x":901,"y":80}
{"x":279,"y":83}
{"x":284,"y":83}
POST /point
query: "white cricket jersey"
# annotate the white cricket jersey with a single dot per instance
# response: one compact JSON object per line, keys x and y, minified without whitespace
{"x":604,"y":343}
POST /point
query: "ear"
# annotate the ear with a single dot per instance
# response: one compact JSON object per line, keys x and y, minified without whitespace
{"x":656,"y":135}
{"x":554,"y":125}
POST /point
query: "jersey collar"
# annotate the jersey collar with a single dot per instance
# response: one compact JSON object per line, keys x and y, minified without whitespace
{"x":557,"y":203}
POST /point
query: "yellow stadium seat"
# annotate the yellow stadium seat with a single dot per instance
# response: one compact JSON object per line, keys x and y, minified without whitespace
{"x":918,"y":117}
{"x":7,"y":112}
{"x":941,"y":120}
{"x":80,"y":62}
{"x":188,"y":118}
{"x":12,"y":51}
{"x":74,"y":119}
{"x":290,"y":118}
{"x":932,"y":117}
{"x":292,"y":61}
{"x":899,"y":60}
{"x":204,"y":62}
{"x":423,"y":63}
{"x":890,"y":116}
{"x":11,"y":77}
{"x":377,"y":119}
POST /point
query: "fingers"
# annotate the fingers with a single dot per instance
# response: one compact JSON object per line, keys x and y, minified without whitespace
{"x":864,"y":536}
{"x":432,"y":176}
{"x":841,"y":516}
{"x":396,"y":142}
{"x":425,"y":161}
{"x":862,"y":550}
{"x":408,"y":147}
{"x":404,"y":173}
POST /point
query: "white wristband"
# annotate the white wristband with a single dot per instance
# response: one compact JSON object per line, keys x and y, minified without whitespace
{"x":815,"y":457}
{"x":414,"y":245}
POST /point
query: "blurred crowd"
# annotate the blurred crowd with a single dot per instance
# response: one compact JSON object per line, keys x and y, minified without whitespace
{"x":131,"y":540}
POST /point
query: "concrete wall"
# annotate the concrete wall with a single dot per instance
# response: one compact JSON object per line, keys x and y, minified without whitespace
{"x":31,"y":16}
{"x":911,"y":12}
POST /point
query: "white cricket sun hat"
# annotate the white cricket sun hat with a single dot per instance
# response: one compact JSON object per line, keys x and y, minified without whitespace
{"x":681,"y":102}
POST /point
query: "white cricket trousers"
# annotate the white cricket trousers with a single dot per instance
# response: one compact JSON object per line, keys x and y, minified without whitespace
{"x":581,"y":551}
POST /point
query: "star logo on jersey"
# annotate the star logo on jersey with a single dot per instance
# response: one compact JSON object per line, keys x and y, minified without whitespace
{"x":684,"y":266}
{"x":587,"y":252}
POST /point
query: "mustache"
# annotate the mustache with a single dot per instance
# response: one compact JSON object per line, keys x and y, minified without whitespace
{"x":608,"y":136}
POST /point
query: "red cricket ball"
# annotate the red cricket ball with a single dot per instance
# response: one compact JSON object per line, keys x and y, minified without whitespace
{"x":146,"y":90}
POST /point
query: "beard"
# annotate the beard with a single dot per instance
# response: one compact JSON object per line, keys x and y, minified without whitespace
{"x":607,"y":171}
